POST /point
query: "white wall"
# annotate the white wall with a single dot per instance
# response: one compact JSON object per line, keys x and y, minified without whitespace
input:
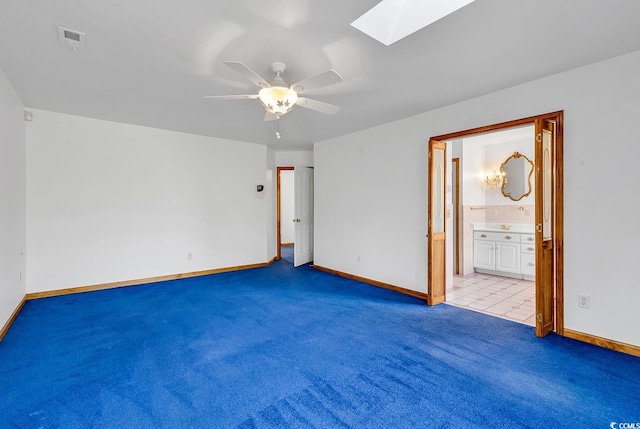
{"x":286,"y":206}
{"x":293,"y":158}
{"x":12,"y":200}
{"x":370,"y":204}
{"x":111,"y":202}
{"x":270,"y":194}
{"x":473,"y":166}
{"x":371,"y":191}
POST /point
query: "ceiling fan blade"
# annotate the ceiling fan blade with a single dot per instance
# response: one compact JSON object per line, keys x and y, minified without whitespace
{"x":248,"y":73}
{"x":268,"y":116}
{"x":318,"y":81}
{"x":319,"y":106}
{"x":233,"y":97}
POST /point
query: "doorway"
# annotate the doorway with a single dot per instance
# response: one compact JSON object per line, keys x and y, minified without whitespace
{"x":284,"y":213}
{"x":480,"y":285}
{"x":294,"y":214}
{"x":547,"y":234}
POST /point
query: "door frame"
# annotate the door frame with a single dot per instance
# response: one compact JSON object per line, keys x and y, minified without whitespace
{"x":278,"y":220}
{"x":558,"y":198}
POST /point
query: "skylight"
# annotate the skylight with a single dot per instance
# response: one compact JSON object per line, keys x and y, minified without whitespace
{"x":392,"y":20}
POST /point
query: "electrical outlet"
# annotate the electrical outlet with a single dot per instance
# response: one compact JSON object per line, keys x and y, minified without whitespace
{"x":583,"y":301}
{"x":189,"y":256}
{"x":358,"y":258}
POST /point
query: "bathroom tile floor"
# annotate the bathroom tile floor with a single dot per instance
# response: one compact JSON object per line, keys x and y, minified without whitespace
{"x":504,"y":297}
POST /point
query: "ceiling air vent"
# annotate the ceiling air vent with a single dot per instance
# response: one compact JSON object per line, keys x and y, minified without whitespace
{"x":71,"y":38}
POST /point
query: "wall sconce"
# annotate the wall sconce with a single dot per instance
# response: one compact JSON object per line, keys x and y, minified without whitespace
{"x":495,"y":179}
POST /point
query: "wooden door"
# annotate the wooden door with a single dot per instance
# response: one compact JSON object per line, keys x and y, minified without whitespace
{"x":545,"y":220}
{"x":436,"y":223}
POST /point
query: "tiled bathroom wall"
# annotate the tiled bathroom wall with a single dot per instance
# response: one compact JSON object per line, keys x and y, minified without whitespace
{"x":523,"y":214}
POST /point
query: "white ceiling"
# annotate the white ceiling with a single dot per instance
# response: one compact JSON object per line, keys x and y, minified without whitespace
{"x":150,"y":62}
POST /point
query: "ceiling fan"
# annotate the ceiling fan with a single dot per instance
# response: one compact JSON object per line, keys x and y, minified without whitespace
{"x":277,"y":96}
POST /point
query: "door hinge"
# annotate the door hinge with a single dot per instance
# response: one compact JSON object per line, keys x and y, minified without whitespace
{"x":539,"y":317}
{"x":538,"y":137}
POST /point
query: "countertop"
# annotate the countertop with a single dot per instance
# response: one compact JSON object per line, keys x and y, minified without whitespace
{"x":511,"y":227}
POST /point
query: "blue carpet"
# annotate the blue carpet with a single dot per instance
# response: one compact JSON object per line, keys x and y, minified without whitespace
{"x":285,"y":347}
{"x":286,"y":253}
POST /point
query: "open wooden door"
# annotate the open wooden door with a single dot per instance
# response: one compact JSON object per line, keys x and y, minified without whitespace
{"x":436,"y":223}
{"x":303,"y":215}
{"x":545,"y":138}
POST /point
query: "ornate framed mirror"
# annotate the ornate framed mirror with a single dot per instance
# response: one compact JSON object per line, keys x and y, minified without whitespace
{"x":516,"y":172}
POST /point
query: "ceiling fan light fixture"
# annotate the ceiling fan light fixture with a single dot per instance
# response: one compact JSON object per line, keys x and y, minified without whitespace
{"x":277,"y":99}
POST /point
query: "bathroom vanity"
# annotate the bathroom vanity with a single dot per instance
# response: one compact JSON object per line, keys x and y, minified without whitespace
{"x":504,"y":250}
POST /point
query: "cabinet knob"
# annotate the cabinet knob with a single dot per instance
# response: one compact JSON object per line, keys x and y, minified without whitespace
{"x":483,"y":235}
{"x":531,"y":264}
{"x":508,"y":237}
{"x":531,"y":249}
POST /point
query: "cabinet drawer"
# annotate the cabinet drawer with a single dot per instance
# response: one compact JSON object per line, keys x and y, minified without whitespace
{"x":528,"y":264}
{"x":527,"y":248}
{"x":496,"y":236}
{"x":528,"y":238}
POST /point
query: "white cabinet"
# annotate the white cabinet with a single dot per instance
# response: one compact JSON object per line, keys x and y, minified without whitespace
{"x":506,"y":253}
{"x":484,"y":255}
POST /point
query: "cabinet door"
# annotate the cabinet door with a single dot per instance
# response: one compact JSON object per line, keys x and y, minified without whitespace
{"x":484,"y":255}
{"x":508,"y":257}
